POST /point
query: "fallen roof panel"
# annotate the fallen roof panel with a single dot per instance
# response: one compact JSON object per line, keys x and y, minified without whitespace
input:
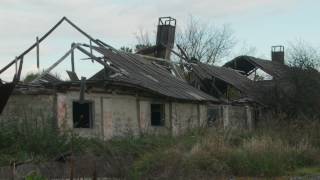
{"x":227,"y":75}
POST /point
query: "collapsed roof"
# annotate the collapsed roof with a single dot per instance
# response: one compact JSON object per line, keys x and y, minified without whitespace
{"x":248,"y":64}
{"x":218,"y":78}
{"x":228,"y":75}
{"x":134,"y":70}
{"x":123,"y":69}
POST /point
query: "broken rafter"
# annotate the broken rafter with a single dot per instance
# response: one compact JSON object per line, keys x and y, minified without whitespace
{"x":38,"y":53}
{"x":96,"y":58}
{"x":18,"y":74}
{"x":82,"y":89}
{"x":33,"y":46}
{"x":72,"y":58}
{"x":73,"y":47}
{"x":254,"y":70}
{"x":46,"y":35}
{"x":174,"y":52}
{"x":56,"y":63}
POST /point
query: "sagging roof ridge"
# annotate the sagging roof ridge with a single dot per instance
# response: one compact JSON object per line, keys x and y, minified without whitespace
{"x":248,"y":63}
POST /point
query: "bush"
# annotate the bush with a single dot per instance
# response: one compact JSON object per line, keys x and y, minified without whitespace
{"x":217,"y":153}
{"x":21,"y":141}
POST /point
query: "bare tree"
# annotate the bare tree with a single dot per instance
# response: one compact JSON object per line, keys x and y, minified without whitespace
{"x":143,"y":40}
{"x":245,"y":49}
{"x":303,"y":55}
{"x":296,"y":93}
{"x":126,"y":49}
{"x":204,"y":42}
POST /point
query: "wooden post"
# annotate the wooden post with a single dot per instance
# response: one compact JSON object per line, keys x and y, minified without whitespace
{"x":38,"y":53}
{"x":138,"y":114}
{"x":13,"y":170}
{"x":71,"y":159}
{"x":91,"y":49}
{"x":199,"y":116}
{"x":16,"y":65}
{"x":72,"y":58}
{"x":255,"y":75}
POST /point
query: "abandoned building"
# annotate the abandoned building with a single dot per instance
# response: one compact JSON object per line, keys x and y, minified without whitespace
{"x":139,"y":93}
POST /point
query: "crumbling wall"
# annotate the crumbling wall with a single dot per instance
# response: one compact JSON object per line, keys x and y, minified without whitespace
{"x":186,"y":116}
{"x":113,"y":115}
{"x":240,"y":117}
{"x":215,"y":115}
{"x":36,"y":109}
{"x":65,"y":113}
{"x":124,"y":115}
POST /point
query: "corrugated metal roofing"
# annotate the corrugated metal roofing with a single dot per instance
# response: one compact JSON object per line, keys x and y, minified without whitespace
{"x":227,"y":75}
{"x":136,"y":71}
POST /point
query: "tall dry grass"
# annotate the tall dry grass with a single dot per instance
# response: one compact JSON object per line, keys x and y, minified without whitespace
{"x":274,"y":149}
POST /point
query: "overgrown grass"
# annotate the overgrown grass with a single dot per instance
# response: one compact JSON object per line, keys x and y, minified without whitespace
{"x":275,"y":149}
{"x":266,"y":152}
{"x":20,"y":141}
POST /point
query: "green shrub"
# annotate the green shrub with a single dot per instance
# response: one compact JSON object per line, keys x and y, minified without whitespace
{"x":21,"y":141}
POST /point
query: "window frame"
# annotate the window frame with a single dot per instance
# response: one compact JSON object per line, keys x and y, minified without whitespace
{"x":91,"y":113}
{"x":163,"y":114}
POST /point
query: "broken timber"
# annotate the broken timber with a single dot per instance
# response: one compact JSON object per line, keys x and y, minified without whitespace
{"x":7,"y":88}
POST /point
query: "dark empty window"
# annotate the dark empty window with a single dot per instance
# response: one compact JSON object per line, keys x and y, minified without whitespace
{"x":212,"y":116}
{"x":82,"y":114}
{"x":157,"y":114}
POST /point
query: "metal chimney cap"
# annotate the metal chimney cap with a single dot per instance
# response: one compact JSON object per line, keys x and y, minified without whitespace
{"x":278,"y":48}
{"x":167,"y":21}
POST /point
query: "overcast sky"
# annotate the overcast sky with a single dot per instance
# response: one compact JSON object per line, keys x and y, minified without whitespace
{"x":257,"y":23}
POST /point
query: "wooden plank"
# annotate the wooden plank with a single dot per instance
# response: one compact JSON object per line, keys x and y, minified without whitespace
{"x":38,"y":53}
{"x":91,"y":49}
{"x":55,"y":64}
{"x":46,"y":35}
{"x":72,"y":58}
{"x":33,"y":46}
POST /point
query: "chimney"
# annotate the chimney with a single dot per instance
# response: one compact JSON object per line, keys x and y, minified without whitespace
{"x":165,"y":37}
{"x":277,"y":54}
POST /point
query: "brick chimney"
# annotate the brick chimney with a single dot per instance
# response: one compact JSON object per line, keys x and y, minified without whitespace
{"x":165,"y":36}
{"x":277,"y":54}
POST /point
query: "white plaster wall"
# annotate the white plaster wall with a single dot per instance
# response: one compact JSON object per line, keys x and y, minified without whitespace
{"x":113,"y":115}
{"x":124,"y":116}
{"x":65,"y":115}
{"x":203,"y":115}
{"x":185,"y":116}
{"x":145,"y":118}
